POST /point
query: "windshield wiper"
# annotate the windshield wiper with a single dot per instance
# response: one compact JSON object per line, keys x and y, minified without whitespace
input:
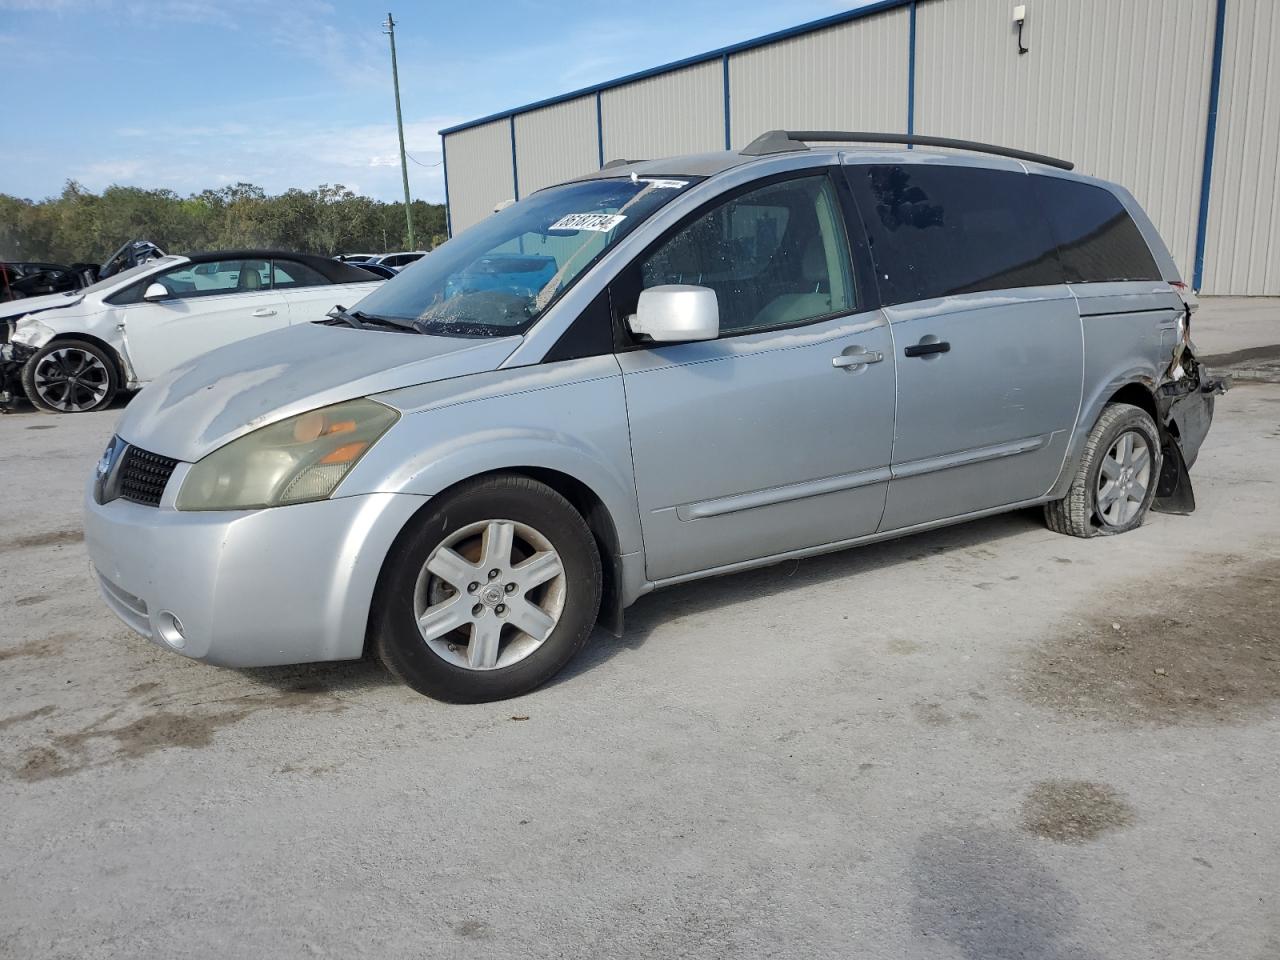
{"x":363,"y":321}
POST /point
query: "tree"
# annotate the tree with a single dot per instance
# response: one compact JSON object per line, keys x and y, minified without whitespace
{"x":81,"y":226}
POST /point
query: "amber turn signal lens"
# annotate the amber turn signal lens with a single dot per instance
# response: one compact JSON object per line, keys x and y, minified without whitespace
{"x":346,"y":453}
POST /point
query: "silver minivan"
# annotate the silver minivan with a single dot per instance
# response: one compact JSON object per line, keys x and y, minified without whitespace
{"x":661,"y":371}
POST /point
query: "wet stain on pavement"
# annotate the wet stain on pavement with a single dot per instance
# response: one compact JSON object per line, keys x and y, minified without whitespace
{"x":471,"y":929}
{"x":100,"y":743}
{"x":988,"y":897}
{"x":52,"y":539}
{"x":1204,"y":646}
{"x":931,"y":714}
{"x":49,"y":646}
{"x":25,"y":717}
{"x":1074,"y":811}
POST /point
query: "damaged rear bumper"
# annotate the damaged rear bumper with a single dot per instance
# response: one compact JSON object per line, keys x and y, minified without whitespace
{"x":1185,"y":402}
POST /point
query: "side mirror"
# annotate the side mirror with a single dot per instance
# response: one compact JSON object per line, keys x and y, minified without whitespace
{"x":156,"y":291}
{"x":677,"y":312}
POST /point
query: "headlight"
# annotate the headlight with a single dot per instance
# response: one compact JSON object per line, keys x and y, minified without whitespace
{"x":32,"y":333}
{"x":293,"y":461}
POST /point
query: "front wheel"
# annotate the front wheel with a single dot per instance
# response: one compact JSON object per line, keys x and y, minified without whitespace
{"x":70,"y":376}
{"x":489,"y":593}
{"x":1116,"y":479}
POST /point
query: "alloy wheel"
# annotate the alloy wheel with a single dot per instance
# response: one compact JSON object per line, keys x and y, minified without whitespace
{"x":490,"y":594}
{"x":1124,"y":479}
{"x":71,"y":380}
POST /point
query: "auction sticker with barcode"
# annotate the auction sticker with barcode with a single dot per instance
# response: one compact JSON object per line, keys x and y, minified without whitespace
{"x":599,"y":222}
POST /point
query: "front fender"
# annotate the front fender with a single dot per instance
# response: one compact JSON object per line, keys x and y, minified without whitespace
{"x":571,"y":419}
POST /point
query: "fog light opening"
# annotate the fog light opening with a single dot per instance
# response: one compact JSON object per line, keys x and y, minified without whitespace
{"x":170,"y":629}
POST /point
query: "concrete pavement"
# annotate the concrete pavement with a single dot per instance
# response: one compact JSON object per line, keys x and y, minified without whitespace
{"x":979,"y":743}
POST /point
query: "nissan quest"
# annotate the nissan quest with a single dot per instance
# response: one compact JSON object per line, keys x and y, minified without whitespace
{"x":660,"y":371}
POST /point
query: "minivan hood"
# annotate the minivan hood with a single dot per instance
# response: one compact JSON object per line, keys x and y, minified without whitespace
{"x":207,"y":402}
{"x":51,"y":301}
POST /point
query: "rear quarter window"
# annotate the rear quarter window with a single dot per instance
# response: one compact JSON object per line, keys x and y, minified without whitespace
{"x":938,"y":230}
{"x":1097,"y":239}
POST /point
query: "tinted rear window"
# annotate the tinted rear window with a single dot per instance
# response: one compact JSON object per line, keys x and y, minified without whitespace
{"x":941,"y":230}
{"x":1097,"y":239}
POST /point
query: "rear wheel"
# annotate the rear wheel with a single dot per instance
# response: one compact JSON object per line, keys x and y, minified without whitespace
{"x":1116,"y":479}
{"x":70,"y":376}
{"x":490,"y":593}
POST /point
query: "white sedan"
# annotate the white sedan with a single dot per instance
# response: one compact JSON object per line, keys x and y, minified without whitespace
{"x":72,"y":352}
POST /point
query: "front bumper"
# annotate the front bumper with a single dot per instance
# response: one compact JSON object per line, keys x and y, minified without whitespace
{"x":248,"y":588}
{"x":13,"y":357}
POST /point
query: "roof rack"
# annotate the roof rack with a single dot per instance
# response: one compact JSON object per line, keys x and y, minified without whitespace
{"x":784,"y":141}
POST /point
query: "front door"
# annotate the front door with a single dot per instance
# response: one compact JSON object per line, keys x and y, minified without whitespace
{"x":776,"y":436}
{"x":210,"y":305}
{"x":986,"y":336}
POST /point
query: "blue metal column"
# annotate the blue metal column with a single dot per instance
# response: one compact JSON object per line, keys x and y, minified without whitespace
{"x":728,"y":143}
{"x":1210,"y":135}
{"x":515,"y":172}
{"x":448,"y":213}
{"x":599,"y":130}
{"x":911,"y":73}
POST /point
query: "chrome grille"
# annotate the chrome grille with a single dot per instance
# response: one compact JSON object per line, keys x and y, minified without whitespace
{"x":143,"y":476}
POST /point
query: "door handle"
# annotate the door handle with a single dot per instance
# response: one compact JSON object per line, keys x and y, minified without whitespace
{"x":264,"y":312}
{"x":859,"y":357}
{"x":927,"y":349}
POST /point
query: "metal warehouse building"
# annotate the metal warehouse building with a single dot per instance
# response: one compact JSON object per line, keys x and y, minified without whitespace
{"x":1176,"y":99}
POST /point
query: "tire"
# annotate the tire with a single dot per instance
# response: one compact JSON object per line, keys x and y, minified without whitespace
{"x":1096,"y":504}
{"x":472,"y":645}
{"x":70,"y":376}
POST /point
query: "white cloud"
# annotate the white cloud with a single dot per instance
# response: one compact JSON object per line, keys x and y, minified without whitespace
{"x":365,"y":158}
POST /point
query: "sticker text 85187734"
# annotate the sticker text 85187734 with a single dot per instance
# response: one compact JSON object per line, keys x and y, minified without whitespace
{"x":599,"y":222}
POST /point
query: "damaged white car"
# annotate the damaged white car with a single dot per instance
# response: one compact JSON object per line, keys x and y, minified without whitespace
{"x":72,"y":352}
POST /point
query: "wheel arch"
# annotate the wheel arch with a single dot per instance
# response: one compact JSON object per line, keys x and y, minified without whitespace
{"x":589,"y":504}
{"x":117,"y":360}
{"x":1132,"y":387}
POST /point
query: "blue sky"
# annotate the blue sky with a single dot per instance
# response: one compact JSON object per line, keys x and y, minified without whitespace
{"x":189,"y":94}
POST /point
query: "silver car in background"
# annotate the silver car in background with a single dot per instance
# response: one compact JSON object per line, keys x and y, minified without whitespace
{"x":662,"y":371}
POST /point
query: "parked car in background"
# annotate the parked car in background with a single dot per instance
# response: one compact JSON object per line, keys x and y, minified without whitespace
{"x":130,"y":254}
{"x":738,"y":358}
{"x":348,"y":257}
{"x":377,"y":269}
{"x":71,"y":352}
{"x":398,"y":261}
{"x":23,"y":279}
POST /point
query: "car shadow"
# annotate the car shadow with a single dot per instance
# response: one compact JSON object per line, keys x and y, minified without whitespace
{"x":20,"y":406}
{"x":326,"y":678}
{"x":788,"y":576}
{"x":654,"y":610}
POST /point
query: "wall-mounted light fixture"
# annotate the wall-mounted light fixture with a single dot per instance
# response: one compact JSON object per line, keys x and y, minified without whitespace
{"x":1020,"y":17}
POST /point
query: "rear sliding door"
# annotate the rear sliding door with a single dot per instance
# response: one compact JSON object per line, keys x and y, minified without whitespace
{"x":986,"y":335}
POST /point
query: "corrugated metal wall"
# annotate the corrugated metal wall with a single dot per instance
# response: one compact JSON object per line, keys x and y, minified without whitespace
{"x":1120,"y":88}
{"x":478,"y":165}
{"x":556,"y":143}
{"x":1242,"y":248}
{"x":666,"y":115}
{"x":849,"y":77}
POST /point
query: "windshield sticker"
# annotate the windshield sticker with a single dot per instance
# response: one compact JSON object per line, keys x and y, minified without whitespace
{"x":598,"y":222}
{"x":665,"y":184}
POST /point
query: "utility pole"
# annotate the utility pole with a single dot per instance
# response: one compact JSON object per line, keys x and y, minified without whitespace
{"x":390,"y":31}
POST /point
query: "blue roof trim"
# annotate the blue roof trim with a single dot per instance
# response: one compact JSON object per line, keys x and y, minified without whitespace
{"x":812,"y":26}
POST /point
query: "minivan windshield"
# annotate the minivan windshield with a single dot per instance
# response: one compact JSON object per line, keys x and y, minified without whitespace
{"x":497,"y":278}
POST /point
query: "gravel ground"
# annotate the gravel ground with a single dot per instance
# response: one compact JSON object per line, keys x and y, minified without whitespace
{"x":980,"y":743}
